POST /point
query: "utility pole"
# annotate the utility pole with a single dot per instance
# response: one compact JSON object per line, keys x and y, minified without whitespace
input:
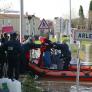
{"x":70,"y":22}
{"x":21,"y":19}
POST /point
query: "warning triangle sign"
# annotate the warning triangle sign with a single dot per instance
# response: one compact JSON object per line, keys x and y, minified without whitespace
{"x":43,"y":25}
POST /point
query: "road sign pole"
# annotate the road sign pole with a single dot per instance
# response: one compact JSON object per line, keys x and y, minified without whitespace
{"x":80,"y":36}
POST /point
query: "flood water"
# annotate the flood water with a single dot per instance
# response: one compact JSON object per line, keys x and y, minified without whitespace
{"x":65,"y":86}
{"x":59,"y":86}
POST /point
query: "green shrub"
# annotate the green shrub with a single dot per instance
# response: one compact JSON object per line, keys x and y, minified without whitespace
{"x":29,"y":85}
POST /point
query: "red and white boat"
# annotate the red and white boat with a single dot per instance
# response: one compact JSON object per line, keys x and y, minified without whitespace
{"x":70,"y":74}
{"x":38,"y":68}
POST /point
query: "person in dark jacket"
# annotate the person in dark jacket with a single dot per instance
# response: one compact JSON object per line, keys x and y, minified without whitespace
{"x":13,"y":48}
{"x":65,"y":53}
{"x":3,"y":60}
{"x":27,"y":45}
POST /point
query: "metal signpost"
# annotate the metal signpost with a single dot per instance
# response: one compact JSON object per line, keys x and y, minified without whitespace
{"x":78,"y":68}
{"x":80,"y":35}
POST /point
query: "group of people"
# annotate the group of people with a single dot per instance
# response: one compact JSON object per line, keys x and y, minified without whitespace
{"x":46,"y":55}
{"x":10,"y":49}
{"x":15,"y":54}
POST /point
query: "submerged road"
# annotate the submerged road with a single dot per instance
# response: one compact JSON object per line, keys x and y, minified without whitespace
{"x":59,"y":86}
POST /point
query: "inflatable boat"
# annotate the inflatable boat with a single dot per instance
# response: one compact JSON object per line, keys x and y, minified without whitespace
{"x":37,"y":68}
{"x":70,"y":74}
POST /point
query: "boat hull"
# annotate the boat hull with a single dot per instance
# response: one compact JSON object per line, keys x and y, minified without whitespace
{"x":70,"y":75}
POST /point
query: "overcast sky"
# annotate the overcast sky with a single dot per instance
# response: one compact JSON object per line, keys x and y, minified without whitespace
{"x":48,"y":8}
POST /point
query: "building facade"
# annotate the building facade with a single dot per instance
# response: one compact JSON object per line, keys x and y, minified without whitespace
{"x":14,"y":20}
{"x":59,"y":27}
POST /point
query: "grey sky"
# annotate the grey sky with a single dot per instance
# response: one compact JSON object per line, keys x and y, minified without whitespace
{"x":48,"y":8}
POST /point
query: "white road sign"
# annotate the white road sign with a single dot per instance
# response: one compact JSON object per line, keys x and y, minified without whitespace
{"x":82,"y":35}
{"x":43,"y":25}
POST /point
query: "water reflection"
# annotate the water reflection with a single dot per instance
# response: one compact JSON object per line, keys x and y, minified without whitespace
{"x":85,"y":54}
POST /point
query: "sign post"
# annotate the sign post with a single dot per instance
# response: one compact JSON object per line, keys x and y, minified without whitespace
{"x":78,"y":67}
{"x":80,"y":36}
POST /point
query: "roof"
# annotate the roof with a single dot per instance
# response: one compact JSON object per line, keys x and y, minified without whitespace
{"x":9,"y":16}
{"x":12,"y":16}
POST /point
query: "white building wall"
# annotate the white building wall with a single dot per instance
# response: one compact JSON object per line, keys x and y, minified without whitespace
{"x":58,"y":28}
{"x":34,"y":24}
{"x":58,"y":25}
{"x":66,"y":31}
{"x":15,"y":23}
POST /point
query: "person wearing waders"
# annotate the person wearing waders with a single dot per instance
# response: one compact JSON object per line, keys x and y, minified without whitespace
{"x":13,"y":49}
